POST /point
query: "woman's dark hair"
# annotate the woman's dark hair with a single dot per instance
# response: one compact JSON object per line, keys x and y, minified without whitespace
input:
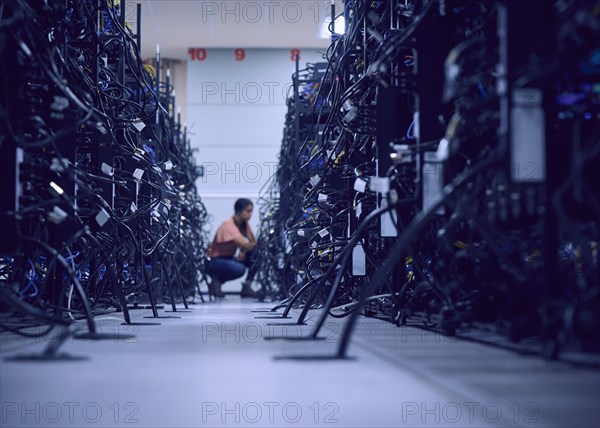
{"x":241,"y":204}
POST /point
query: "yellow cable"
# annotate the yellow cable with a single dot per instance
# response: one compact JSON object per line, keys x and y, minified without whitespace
{"x":150,"y":69}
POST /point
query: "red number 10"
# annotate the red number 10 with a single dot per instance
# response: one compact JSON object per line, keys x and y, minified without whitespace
{"x":197,"y":54}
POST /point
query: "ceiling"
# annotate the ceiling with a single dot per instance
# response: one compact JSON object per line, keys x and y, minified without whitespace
{"x":180,"y":24}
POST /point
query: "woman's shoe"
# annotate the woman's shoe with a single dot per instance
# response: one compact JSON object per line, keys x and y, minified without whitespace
{"x":214,"y":288}
{"x":247,"y":290}
{"x":217,"y":288}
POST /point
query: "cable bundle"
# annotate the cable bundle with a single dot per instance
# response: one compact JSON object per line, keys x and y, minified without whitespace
{"x":444,"y":184}
{"x":103,"y":203}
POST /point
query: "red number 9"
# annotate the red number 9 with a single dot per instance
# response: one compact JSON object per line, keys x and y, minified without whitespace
{"x":295,"y":53}
{"x":240,"y":54}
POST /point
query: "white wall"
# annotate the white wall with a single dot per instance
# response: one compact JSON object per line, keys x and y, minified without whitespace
{"x":235,"y":117}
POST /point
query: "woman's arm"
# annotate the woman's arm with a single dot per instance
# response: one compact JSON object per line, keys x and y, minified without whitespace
{"x":244,"y":243}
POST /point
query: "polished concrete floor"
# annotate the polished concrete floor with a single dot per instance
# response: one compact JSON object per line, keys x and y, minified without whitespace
{"x":214,"y":367}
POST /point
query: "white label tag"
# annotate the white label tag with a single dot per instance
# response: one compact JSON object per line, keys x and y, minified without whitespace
{"x":323,"y":233}
{"x":314,"y":180}
{"x":322,"y":197}
{"x":102,"y":217}
{"x":168,"y":165}
{"x":57,"y":215}
{"x":138,"y":173}
{"x":133,"y":207}
{"x":358,"y":209}
{"x":107,"y":169}
{"x":139,"y":125}
{"x":59,"y":211}
{"x":300,"y":232}
{"x":360,"y":185}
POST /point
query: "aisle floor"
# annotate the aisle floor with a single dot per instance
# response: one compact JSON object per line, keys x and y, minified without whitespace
{"x":215,"y":367}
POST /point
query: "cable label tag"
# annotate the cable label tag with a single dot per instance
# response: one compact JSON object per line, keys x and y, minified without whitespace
{"x":139,"y":126}
{"x":102,"y":217}
{"x":360,"y":185}
{"x":107,"y":169}
{"x":138,"y":173}
{"x":57,"y":215}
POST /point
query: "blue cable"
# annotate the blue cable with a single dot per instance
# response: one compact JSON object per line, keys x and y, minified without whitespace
{"x":31,"y":282}
{"x":482,"y":90}
{"x":410,"y":134}
{"x":72,"y":256}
